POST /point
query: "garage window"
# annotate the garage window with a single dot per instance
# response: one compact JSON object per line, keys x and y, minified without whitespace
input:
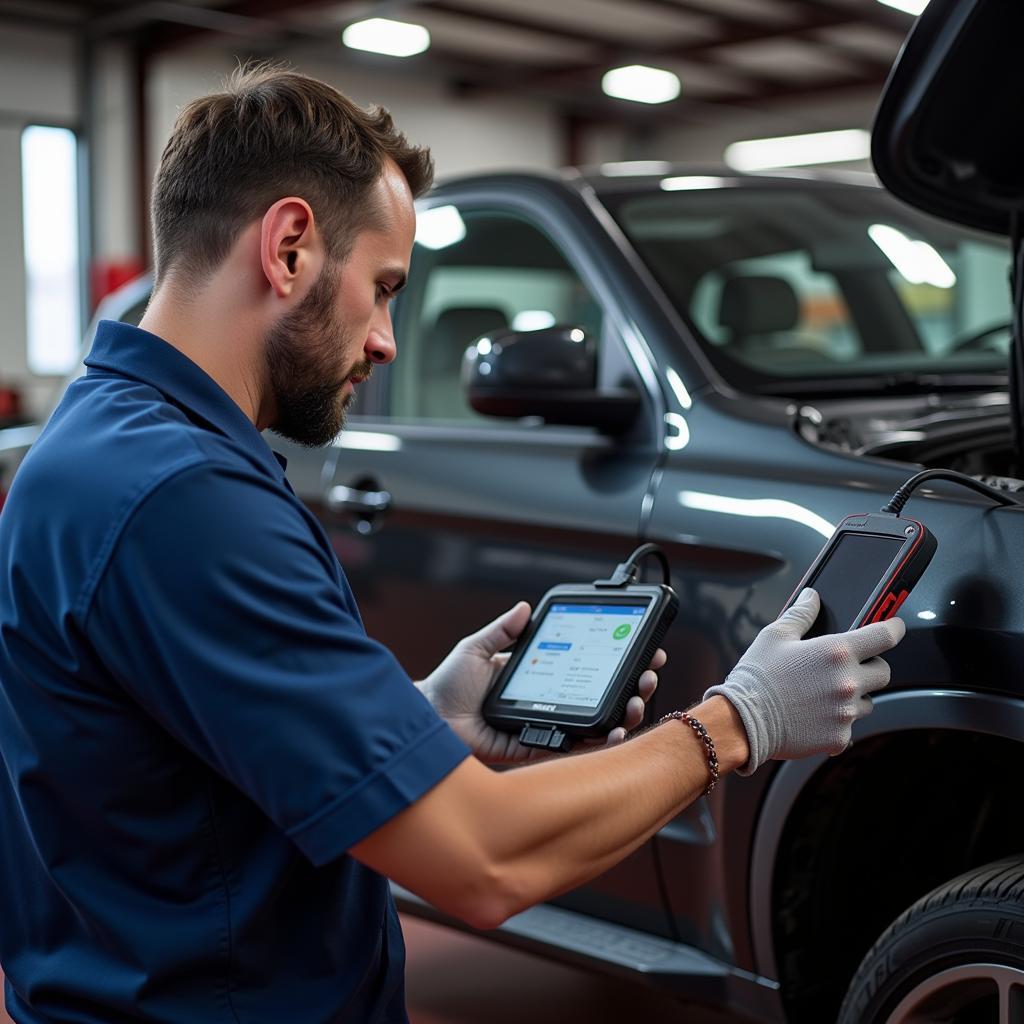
{"x":53,"y":299}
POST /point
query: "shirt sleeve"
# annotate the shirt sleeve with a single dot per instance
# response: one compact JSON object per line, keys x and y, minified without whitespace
{"x":221,"y":614}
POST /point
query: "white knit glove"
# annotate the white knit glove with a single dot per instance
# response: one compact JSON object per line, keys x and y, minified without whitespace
{"x":799,"y":697}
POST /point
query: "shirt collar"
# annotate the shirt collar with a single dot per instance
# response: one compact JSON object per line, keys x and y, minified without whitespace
{"x":133,"y":352}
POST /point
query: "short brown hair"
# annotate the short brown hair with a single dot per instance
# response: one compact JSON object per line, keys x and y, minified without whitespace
{"x":271,"y":133}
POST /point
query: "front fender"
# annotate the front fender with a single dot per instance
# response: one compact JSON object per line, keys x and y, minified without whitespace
{"x":987,"y":714}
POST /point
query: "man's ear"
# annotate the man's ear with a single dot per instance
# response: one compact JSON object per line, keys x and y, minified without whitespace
{"x":290,"y":250}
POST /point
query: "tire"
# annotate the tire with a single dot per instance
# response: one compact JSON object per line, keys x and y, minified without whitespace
{"x":956,"y":956}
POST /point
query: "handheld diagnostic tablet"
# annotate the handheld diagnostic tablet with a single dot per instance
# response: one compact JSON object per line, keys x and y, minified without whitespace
{"x":579,"y":661}
{"x":866,"y":570}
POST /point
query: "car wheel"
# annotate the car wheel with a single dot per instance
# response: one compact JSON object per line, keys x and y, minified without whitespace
{"x":956,"y":956}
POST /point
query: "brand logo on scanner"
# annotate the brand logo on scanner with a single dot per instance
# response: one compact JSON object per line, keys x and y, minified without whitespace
{"x":621,"y":632}
{"x":542,"y":707}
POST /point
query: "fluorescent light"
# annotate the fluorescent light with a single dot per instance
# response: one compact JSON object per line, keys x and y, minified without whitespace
{"x":627,"y":167}
{"x":439,"y":227}
{"x":684,"y":182}
{"x":533,"y":320}
{"x":917,"y":261}
{"x":799,"y":150}
{"x":907,"y":6}
{"x":382,"y":35}
{"x":641,"y":84}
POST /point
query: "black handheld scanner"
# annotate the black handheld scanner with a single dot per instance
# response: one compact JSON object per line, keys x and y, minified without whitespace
{"x":866,"y":570}
{"x":579,"y":661}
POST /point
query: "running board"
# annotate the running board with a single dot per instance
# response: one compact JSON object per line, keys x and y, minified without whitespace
{"x":585,"y":941}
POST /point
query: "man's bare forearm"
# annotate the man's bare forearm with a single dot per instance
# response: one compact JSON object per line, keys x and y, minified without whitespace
{"x":483,"y":845}
{"x":604,"y":805}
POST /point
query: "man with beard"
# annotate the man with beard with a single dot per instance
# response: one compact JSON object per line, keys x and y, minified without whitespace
{"x":210,"y":767}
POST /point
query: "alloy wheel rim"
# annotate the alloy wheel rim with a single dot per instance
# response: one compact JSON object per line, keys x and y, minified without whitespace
{"x":939,"y":997}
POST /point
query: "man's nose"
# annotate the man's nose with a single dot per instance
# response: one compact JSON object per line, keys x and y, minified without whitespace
{"x":380,"y":343}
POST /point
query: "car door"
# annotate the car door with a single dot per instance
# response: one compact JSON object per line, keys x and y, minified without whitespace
{"x":444,"y":518}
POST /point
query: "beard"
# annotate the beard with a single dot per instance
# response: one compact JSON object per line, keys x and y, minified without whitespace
{"x":302,"y":368}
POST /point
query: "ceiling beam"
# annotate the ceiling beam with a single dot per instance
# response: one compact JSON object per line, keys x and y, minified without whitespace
{"x":169,"y":26}
{"x":734,"y":31}
{"x":574,"y":89}
{"x":867,"y":11}
{"x":592,"y":106}
{"x":609,"y":53}
{"x":880,"y":15}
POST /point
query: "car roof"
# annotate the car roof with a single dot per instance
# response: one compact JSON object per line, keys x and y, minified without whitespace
{"x":618,"y":177}
{"x":648,"y":175}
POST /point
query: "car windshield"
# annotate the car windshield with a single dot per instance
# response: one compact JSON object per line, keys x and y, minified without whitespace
{"x":825,"y":282}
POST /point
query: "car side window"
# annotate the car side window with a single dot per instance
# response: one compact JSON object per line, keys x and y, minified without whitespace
{"x":475,"y":271}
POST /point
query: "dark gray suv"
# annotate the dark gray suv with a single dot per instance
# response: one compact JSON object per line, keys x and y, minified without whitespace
{"x":759,"y":357}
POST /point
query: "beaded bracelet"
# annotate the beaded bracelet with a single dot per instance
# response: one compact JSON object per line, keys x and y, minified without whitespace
{"x":705,"y":738}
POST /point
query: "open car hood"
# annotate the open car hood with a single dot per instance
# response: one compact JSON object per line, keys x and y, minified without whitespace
{"x":948,"y":137}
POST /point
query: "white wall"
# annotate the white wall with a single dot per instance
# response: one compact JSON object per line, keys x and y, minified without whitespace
{"x":38,"y":85}
{"x":464,"y":135}
{"x":116,"y":209}
{"x":37,"y":75}
{"x":705,"y":141}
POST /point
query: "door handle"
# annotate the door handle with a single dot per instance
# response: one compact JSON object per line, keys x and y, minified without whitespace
{"x":351,"y":499}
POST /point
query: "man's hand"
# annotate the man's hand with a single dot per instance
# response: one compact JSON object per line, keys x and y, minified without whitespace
{"x":798,"y":697}
{"x":458,"y":685}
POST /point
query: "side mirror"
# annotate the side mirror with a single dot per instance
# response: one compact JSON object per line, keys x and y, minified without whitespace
{"x":550,"y":373}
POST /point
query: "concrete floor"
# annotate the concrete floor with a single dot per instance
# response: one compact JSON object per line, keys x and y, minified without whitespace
{"x":452,"y":978}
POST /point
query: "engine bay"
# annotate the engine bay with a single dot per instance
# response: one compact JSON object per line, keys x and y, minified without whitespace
{"x":970,"y":433}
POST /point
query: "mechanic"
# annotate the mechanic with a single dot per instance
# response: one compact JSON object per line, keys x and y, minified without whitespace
{"x":211,"y":770}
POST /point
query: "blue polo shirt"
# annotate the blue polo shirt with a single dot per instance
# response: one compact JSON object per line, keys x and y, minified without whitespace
{"x":194,"y":726}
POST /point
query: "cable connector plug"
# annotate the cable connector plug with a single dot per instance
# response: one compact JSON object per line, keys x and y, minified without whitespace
{"x":627,"y":572}
{"x":624,"y":575}
{"x":902,"y":496}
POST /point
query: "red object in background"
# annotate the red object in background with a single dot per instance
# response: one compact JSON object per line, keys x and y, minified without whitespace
{"x":109,"y":275}
{"x":10,"y":404}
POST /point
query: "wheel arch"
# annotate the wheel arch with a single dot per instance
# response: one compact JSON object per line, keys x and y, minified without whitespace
{"x":905,"y":717}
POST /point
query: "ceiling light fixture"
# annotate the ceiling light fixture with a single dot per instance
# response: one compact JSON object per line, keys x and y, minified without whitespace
{"x":907,"y":6}
{"x":799,"y":150}
{"x":641,"y":84}
{"x":382,"y":35}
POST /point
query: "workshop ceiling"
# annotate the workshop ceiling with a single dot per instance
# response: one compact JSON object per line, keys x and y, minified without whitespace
{"x":749,"y":55}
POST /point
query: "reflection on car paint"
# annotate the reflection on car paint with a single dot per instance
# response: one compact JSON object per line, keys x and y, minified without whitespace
{"x":757,"y":508}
